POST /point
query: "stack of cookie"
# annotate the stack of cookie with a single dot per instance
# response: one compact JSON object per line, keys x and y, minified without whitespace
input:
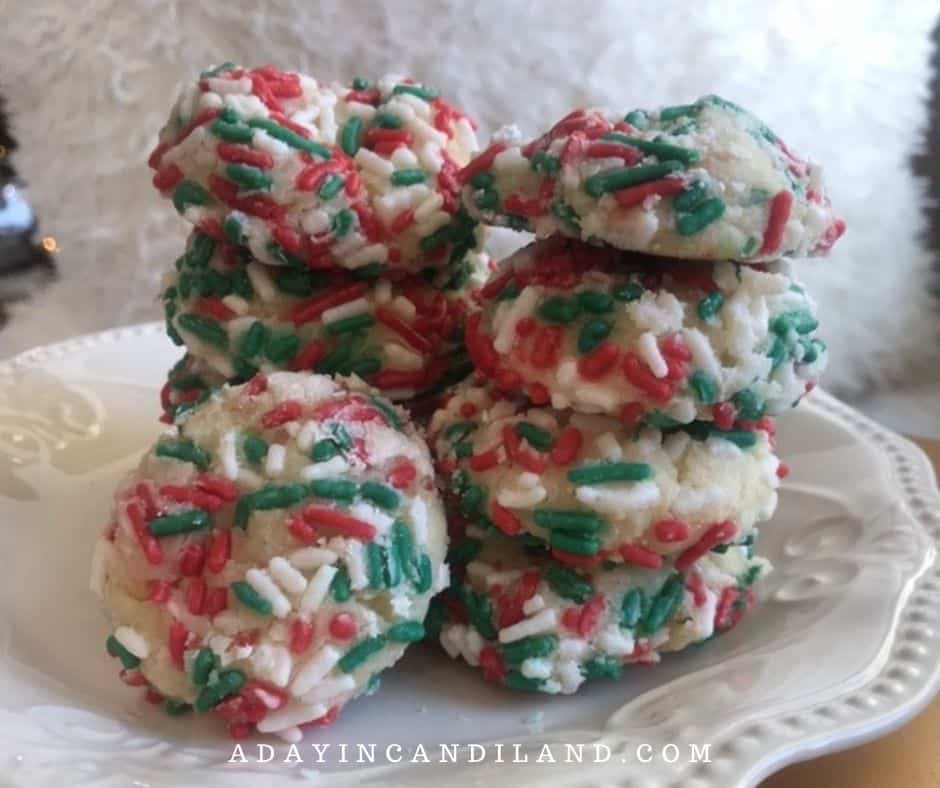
{"x":328,"y":234}
{"x":608,"y":467}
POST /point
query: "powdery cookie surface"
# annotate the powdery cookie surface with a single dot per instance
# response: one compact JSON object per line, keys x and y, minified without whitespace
{"x":333,"y":176}
{"x":533,"y":624}
{"x":273,"y":553}
{"x":400,"y":334}
{"x":705,"y":181}
{"x":593,"y":490}
{"x":647,"y":339}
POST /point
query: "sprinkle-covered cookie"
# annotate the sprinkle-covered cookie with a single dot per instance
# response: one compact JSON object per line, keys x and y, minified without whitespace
{"x":531,"y":623}
{"x":238,"y":316}
{"x":592,"y":490}
{"x":272,"y":553}
{"x":704,"y":181}
{"x":354,"y":177}
{"x":644,"y":338}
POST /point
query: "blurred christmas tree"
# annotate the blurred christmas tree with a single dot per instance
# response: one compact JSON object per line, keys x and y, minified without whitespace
{"x":25,"y":262}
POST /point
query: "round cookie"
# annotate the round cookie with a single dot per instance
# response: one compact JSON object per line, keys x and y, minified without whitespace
{"x":359,"y":177}
{"x":273,"y":553}
{"x":239,"y":316}
{"x":593,"y":490}
{"x":644,"y":338}
{"x":704,"y":181}
{"x":531,"y":623}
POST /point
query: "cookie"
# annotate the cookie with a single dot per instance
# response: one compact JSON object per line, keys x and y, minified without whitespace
{"x":353,"y":177}
{"x":531,"y":623}
{"x":703,"y":181}
{"x":592,"y":490}
{"x":273,"y":553}
{"x":647,"y":339}
{"x":238,"y":316}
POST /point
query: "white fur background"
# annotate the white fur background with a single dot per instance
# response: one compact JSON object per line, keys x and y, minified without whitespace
{"x":843,"y":82}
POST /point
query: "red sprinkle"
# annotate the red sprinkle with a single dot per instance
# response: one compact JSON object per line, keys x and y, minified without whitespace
{"x":133,"y":678}
{"x":192,"y":558}
{"x":177,"y":643}
{"x":343,"y":626}
{"x":492,"y":664}
{"x":287,"y":411}
{"x":309,"y":356}
{"x":402,"y":221}
{"x":567,"y":445}
{"x":257,"y":385}
{"x":402,"y":475}
{"x":641,"y":556}
{"x":629,"y":154}
{"x":599,"y":361}
{"x":220,"y":548}
{"x":724,"y":414}
{"x":312,"y":176}
{"x":715,"y":535}
{"x":180,"y":494}
{"x":631,"y":413}
{"x":313,"y":309}
{"x":574,"y":559}
{"x":530,"y":460}
{"x":505,"y":520}
{"x":216,"y":601}
{"x":167,"y":177}
{"x":639,"y":374}
{"x":301,"y":635}
{"x":242,"y":155}
{"x":418,"y":341}
{"x":196,"y":596}
{"x":217,"y":486}
{"x":671,"y":530}
{"x":344,"y":524}
{"x":159,"y":591}
{"x":696,"y":586}
{"x":547,"y":347}
{"x":635,"y":195}
{"x":777,"y":220}
{"x":481,"y":163}
{"x":301,"y":530}
{"x":783,"y":470}
{"x":148,"y":543}
{"x":484,"y":460}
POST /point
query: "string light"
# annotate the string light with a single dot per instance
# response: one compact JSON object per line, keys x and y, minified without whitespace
{"x":50,"y":244}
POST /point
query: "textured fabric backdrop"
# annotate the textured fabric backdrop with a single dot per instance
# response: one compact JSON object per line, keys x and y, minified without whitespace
{"x":844,"y":83}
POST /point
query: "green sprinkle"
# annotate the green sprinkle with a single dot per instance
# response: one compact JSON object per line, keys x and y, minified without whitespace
{"x":531,"y":647}
{"x":708,"y":307}
{"x":482,"y":180}
{"x":575,"y":542}
{"x":459,"y":430}
{"x":331,"y":187}
{"x":440,"y":237}
{"x":631,"y":610}
{"x":234,"y":229}
{"x":508,"y":293}
{"x":189,"y":193}
{"x":176,"y":708}
{"x":374,"y":565}
{"x":777,"y":352}
{"x":406,"y":632}
{"x":515,"y":680}
{"x":342,"y":223}
{"x":416,"y":90}
{"x":812,"y":350}
{"x":359,"y":653}
{"x":537,"y":437}
{"x":622,"y":177}
{"x":205,"y":328}
{"x":480,"y":612}
{"x":298,"y":282}
{"x":558,"y":309}
{"x":393,"y":569}
{"x":749,"y":246}
{"x":231,"y":132}
{"x":360,"y":83}
{"x":602,"y":667}
{"x":663,"y":605}
{"x":380,"y":494}
{"x":708,"y":212}
{"x":407,"y":177}
{"x":340,"y":589}
{"x":592,"y":333}
{"x":565,"y":213}
{"x":545,"y":163}
{"x":200,"y":251}
{"x":629,"y":292}
{"x":203,"y":665}
{"x":249,"y":177}
{"x":595,"y":301}
{"x":184,"y":451}
{"x":387,"y":120}
{"x":660,"y":420}
{"x":603,"y":472}
{"x":743,"y":439}
{"x":568,"y":584}
{"x":638,"y":119}
{"x":251,"y":598}
{"x":661,"y":150}
{"x":471,"y":502}
{"x":290,"y":138}
{"x":423,"y":582}
{"x":241,"y":284}
{"x":252,"y":341}
{"x":464,"y":551}
{"x":341,"y":436}
{"x":273,"y":496}
{"x":403,"y":546}
{"x":281,"y":348}
{"x":748,"y":405}
{"x":255,"y":449}
{"x":333,"y":361}
{"x":369,"y":271}
{"x":352,"y":323}
{"x":117,"y":649}
{"x":214,"y":72}
{"x":690,"y":197}
{"x":568,"y":520}
{"x":799,"y":320}
{"x":182,"y":522}
{"x":679,"y":111}
{"x":387,"y":410}
{"x":324,"y":450}
{"x":463,"y":450}
{"x":334,"y":489}
{"x":349,"y":136}
{"x":228,"y":683}
{"x":704,"y":387}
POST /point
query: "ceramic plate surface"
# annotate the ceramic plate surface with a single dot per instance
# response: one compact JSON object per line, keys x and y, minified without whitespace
{"x":843,"y":646}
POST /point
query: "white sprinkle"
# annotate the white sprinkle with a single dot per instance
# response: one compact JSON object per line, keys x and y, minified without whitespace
{"x":372,"y":162}
{"x":512,"y":313}
{"x":307,"y":435}
{"x":317,"y":589}
{"x":290,"y":735}
{"x":274,"y":461}
{"x":273,"y":663}
{"x":572,"y":648}
{"x":451,"y":639}
{"x":404,"y":308}
{"x":290,"y":716}
{"x":419,"y":520}
{"x":567,"y":371}
{"x":357,"y":306}
{"x":323,"y":470}
{"x":424,"y":131}
{"x":99,"y":563}
{"x":329,"y":690}
{"x":527,"y":479}
{"x":261,"y":282}
{"x":649,"y":351}
{"x":702,"y":353}
{"x":314,"y":669}
{"x":265,"y":142}
{"x":373,"y":253}
{"x":428,"y":206}
{"x":533,"y":604}
{"x":236,"y":303}
{"x":249,"y":480}
{"x":442,"y":580}
{"x":284,"y":574}
{"x":464,"y":134}
{"x":382,"y":292}
{"x":229,"y":454}
{"x":355,"y":565}
{"x":431,"y":158}
{"x":404,"y":159}
{"x":618,"y":500}
{"x":609,"y":447}
{"x":372,"y":515}
{"x":261,"y":582}
{"x":525,"y":498}
{"x":221,"y":85}
{"x":133,"y":641}
{"x":614,"y":641}
{"x":544,"y":621}
{"x":433,"y":222}
{"x":315,"y":222}
{"x":570,"y":675}
{"x":536,"y":668}
{"x":400,"y":357}
{"x":312,"y":557}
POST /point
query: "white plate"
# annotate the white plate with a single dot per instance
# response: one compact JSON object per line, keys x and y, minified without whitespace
{"x":842,"y":648}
